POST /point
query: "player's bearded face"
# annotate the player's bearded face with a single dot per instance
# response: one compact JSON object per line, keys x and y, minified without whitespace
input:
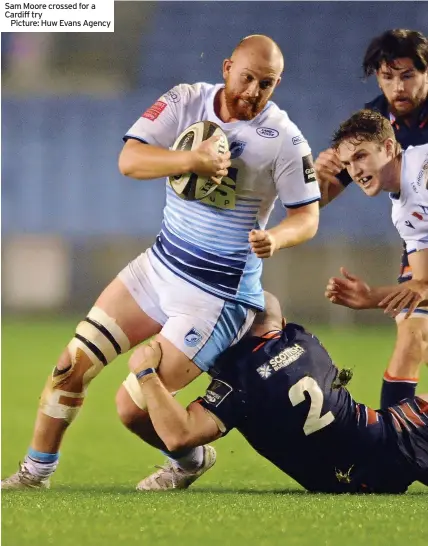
{"x":246,"y":92}
{"x":404,"y":87}
{"x":366,"y":163}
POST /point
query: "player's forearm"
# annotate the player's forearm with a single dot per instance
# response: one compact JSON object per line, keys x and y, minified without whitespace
{"x":376,"y":295}
{"x":170,"y":420}
{"x":295,"y":229}
{"x":147,"y":162}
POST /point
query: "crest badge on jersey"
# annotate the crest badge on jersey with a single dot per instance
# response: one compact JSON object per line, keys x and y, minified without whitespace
{"x":217,"y":392}
{"x":192,"y":338}
{"x":236,"y":148}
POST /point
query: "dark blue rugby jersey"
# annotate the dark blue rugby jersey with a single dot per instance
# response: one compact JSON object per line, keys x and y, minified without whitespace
{"x":282,"y":393}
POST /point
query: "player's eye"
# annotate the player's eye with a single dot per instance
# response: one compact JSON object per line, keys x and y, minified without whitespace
{"x":265,"y":84}
{"x":408,"y":76}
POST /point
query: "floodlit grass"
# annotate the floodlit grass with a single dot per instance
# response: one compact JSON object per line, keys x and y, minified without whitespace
{"x":242,"y":500}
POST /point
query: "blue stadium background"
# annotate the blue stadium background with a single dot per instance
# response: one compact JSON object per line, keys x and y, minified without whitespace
{"x":68,"y":99}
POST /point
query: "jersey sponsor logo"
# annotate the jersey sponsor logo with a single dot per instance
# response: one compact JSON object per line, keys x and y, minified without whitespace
{"x":286,"y":357}
{"x":265,"y":132}
{"x":217,"y":392}
{"x":192,"y":338}
{"x":155,"y":110}
{"x":409,"y":224}
{"x":308,"y":169}
{"x":423,"y":174}
{"x":298,"y":140}
{"x":281,"y":360}
{"x":172,"y":96}
{"x":236,"y":148}
{"x":417,"y":215}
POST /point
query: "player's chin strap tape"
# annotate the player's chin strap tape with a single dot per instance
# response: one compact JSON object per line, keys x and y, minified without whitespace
{"x":133,"y":388}
{"x":98,"y":340}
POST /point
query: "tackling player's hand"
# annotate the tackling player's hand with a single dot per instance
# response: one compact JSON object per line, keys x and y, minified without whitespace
{"x":206,"y":161}
{"x":146,"y":356}
{"x":262,"y":243}
{"x":349,"y":291}
{"x":327,"y":166}
{"x":407,"y":295}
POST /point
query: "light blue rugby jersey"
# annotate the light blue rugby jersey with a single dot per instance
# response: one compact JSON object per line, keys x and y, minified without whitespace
{"x":206,"y":242}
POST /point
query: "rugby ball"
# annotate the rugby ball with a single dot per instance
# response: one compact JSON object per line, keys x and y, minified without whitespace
{"x":190,"y":186}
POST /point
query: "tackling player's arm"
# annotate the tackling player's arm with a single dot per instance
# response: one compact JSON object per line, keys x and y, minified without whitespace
{"x":176,"y":426}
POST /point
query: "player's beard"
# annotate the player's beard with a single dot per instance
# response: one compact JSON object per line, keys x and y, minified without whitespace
{"x":407,"y":107}
{"x":240,"y":110}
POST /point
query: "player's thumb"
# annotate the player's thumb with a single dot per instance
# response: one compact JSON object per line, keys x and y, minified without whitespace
{"x":348,"y":275}
{"x":155,"y":345}
{"x":255,"y":235}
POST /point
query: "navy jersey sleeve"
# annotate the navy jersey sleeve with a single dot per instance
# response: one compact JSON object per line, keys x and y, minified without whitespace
{"x":224,"y":403}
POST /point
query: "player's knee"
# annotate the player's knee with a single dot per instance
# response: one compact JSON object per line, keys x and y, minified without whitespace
{"x":97,"y":341}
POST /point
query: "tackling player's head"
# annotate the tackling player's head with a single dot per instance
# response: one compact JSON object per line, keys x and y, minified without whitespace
{"x":366,"y":146}
{"x":399,"y":58}
{"x":251,"y":75}
{"x":269,"y":319}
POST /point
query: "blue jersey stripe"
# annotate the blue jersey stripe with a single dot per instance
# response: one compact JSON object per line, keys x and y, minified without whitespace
{"x":193,"y":255}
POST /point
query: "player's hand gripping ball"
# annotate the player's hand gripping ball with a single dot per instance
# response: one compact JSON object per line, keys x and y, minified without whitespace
{"x":193,"y":186}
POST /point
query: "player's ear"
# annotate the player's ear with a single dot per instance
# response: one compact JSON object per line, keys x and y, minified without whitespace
{"x":390,"y":147}
{"x":227,"y":65}
{"x":277,"y":82}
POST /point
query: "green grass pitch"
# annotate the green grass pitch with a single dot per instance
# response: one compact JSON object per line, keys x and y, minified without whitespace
{"x":243,"y":500}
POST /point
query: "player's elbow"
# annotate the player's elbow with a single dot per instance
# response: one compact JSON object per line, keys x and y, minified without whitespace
{"x":126,"y":166}
{"x":311,"y":220}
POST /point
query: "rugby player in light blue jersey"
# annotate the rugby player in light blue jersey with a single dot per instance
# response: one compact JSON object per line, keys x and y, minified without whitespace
{"x":198,"y":288}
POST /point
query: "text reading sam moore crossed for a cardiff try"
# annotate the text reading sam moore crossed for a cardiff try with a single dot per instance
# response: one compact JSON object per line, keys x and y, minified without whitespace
{"x":31,"y":15}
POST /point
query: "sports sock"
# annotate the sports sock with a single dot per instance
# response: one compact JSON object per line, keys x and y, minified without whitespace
{"x":41,"y":464}
{"x":395,"y":389}
{"x":191,"y":459}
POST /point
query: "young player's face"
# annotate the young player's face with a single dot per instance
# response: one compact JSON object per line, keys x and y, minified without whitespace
{"x":404,"y":87}
{"x":250,"y":81}
{"x":365,"y":162}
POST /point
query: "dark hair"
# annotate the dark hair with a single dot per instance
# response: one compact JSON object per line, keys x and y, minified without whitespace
{"x":396,"y":44}
{"x":364,"y":125}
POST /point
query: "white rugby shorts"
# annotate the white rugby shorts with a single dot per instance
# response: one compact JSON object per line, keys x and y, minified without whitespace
{"x":197,"y":323}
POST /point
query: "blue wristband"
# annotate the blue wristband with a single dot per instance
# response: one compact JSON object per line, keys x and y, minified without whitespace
{"x":145,"y":372}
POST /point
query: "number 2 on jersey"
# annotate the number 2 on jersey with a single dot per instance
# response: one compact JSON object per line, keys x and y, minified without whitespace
{"x":314,"y":421}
